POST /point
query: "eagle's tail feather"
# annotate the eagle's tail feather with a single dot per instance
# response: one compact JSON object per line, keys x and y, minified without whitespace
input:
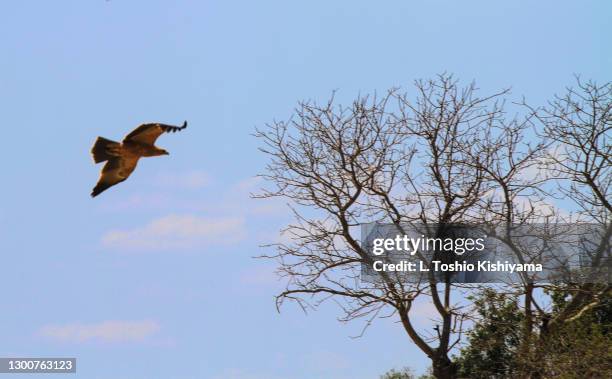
{"x":102,"y":149}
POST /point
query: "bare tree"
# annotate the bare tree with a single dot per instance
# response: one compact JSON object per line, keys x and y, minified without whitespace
{"x":569,"y":161}
{"x":578,"y":126}
{"x":440,"y":156}
{"x":389,"y":160}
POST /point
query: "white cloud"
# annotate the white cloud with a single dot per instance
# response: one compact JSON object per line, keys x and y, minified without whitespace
{"x":189,"y":180}
{"x":241,"y":193}
{"x":177,"y":232}
{"x":105,"y":331}
{"x":249,"y":185}
{"x":259,"y":276}
{"x":219,"y":198}
{"x":138,"y":201}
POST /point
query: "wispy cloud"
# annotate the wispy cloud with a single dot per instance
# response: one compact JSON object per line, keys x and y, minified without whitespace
{"x":205,"y":195}
{"x":194,"y":179}
{"x":179,"y":232}
{"x":259,"y":276}
{"x":105,"y":331}
{"x":138,"y":201}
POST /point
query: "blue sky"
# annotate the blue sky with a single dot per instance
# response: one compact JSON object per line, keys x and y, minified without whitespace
{"x":154,"y":278}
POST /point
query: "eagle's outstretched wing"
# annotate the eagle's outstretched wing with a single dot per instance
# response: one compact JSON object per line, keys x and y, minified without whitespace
{"x":115,"y":171}
{"x":148,"y":133}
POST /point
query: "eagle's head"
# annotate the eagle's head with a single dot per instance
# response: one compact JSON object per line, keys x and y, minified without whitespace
{"x":157,"y":151}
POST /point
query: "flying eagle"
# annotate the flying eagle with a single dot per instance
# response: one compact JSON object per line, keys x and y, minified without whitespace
{"x":122,"y":157}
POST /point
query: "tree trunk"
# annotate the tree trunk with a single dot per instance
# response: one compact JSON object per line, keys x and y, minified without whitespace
{"x":444,"y":368}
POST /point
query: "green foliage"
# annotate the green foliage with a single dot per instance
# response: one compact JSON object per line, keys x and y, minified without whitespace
{"x":494,"y":341}
{"x":497,"y":348}
{"x":583,"y":345}
{"x":405,"y":373}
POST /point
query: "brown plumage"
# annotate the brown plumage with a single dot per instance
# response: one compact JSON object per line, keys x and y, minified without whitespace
{"x":123,"y":157}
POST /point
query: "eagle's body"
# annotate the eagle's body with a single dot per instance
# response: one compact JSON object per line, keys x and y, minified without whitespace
{"x":123,"y":157}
